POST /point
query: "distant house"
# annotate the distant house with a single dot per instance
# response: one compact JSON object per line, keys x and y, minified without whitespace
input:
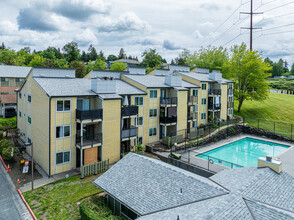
{"x":148,"y":189}
{"x":128,"y":62}
{"x":12,"y":78}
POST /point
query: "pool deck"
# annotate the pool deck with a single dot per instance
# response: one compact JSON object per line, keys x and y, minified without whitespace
{"x":287,"y":157}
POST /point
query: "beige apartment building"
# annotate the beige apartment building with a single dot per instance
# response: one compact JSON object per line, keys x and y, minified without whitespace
{"x":74,"y":122}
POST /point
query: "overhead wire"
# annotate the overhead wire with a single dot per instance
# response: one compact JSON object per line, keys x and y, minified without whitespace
{"x":278,"y":7}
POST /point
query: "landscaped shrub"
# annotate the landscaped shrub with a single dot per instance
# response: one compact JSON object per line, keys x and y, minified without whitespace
{"x":96,"y":208}
{"x":6,"y":153}
{"x":8,"y":122}
{"x":4,"y":144}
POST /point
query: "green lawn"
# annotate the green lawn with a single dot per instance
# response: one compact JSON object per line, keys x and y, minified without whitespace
{"x":279,"y":107}
{"x":58,"y":200}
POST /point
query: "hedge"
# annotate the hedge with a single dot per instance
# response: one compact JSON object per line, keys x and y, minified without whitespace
{"x":95,"y":208}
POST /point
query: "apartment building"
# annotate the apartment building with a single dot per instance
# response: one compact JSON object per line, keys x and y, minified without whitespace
{"x":11,"y":78}
{"x":74,"y":122}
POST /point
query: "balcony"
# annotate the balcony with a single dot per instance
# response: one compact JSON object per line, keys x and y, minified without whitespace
{"x":192,"y":116}
{"x":230,"y":104}
{"x":192,"y":100}
{"x":96,"y":114}
{"x":214,"y":107}
{"x":214,"y":92}
{"x":89,"y":140}
{"x":230,"y":92}
{"x":169,"y":101}
{"x":168,"y":120}
{"x":129,"y":111}
{"x":129,"y":133}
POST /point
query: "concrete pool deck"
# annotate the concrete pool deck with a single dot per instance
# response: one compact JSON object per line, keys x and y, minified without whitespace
{"x":286,"y":157}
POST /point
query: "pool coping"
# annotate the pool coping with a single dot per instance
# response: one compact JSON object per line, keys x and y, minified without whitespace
{"x":224,"y":142}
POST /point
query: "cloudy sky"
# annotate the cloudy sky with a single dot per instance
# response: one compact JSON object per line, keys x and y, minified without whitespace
{"x":136,"y":25}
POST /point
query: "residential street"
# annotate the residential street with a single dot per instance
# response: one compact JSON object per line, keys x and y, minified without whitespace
{"x":11,"y":206}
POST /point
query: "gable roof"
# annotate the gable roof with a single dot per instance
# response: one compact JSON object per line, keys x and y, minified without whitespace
{"x":203,"y":77}
{"x":147,"y":185}
{"x":8,"y":98}
{"x":14,"y":71}
{"x":8,"y":88}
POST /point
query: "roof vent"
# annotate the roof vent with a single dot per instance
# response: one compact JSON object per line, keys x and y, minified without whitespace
{"x":269,"y":158}
{"x":181,"y":191}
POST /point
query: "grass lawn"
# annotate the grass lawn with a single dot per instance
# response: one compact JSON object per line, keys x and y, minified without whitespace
{"x":58,"y":200}
{"x":279,"y":107}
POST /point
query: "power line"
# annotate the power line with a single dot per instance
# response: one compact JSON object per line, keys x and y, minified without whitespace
{"x":279,"y":6}
{"x":279,"y":27}
{"x":269,"y":2}
{"x":232,"y":39}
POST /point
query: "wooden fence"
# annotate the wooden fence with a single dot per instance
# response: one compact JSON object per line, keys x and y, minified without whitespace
{"x":94,"y":168}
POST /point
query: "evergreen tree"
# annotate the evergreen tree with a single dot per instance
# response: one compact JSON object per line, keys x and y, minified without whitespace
{"x":2,"y":46}
{"x":101,"y":56}
{"x":92,"y":53}
{"x":122,"y":54}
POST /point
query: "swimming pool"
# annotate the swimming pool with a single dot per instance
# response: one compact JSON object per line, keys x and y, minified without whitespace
{"x":243,"y":153}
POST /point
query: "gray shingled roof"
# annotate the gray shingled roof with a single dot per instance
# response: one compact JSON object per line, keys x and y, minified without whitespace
{"x":14,"y":71}
{"x":148,"y":185}
{"x":203,"y":77}
{"x":63,"y":87}
{"x":150,"y":81}
{"x":52,"y":72}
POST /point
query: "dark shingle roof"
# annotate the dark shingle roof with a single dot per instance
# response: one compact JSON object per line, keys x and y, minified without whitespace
{"x":148,"y":185}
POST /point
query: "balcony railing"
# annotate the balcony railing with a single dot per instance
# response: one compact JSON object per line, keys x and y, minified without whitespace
{"x":214,"y":92}
{"x":230,"y":91}
{"x":87,"y":140}
{"x":131,"y":132}
{"x":169,"y":101}
{"x":129,"y":111}
{"x":230,"y":104}
{"x":192,"y":100}
{"x":168,"y":120}
{"x":89,"y":114}
{"x":214,"y":106}
{"x":192,"y":116}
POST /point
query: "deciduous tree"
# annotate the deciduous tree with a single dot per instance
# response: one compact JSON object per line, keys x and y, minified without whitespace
{"x":80,"y":68}
{"x":151,"y":58}
{"x":72,"y":51}
{"x":118,"y":66}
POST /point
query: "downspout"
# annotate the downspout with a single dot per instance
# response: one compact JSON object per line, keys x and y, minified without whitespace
{"x":49,"y":136}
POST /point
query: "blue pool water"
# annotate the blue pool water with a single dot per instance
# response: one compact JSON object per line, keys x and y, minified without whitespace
{"x":243,"y":153}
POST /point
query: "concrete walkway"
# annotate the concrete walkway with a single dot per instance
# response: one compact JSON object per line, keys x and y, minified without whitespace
{"x":44,"y":181}
{"x":287,"y":159}
{"x":11,"y":205}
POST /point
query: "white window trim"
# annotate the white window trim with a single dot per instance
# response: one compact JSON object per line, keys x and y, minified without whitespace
{"x":63,"y":105}
{"x":229,"y":111}
{"x":139,"y":98}
{"x":153,"y":93}
{"x":193,"y":92}
{"x":28,"y":139}
{"x":63,"y":131}
{"x":205,"y":86}
{"x":205,"y":101}
{"x":136,"y":119}
{"x":63,"y":158}
{"x":19,"y":112}
{"x":28,"y":120}
{"x":152,"y":134}
{"x":205,"y":115}
{"x":19,"y":95}
{"x":156,"y":113}
{"x":142,"y":139}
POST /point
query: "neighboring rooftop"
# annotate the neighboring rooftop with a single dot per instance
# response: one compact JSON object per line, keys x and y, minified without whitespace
{"x":4,"y":89}
{"x":14,"y":71}
{"x":128,"y":61}
{"x":107,"y":73}
{"x":8,"y":98}
{"x":150,"y":81}
{"x":151,"y":189}
{"x":54,"y":72}
{"x":148,"y":185}
{"x":203,"y":77}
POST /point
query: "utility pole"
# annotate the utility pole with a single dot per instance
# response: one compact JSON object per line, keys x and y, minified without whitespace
{"x":251,"y":28}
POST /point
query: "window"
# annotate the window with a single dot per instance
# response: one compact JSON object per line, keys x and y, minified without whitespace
{"x":230,"y":99}
{"x":230,"y":111}
{"x":153,"y":112}
{"x":152,"y":132}
{"x":140,"y":140}
{"x":29,"y":140}
{"x":19,"y":95}
{"x":63,"y":131}
{"x":194,"y":124}
{"x":138,"y":100}
{"x":63,"y":157}
{"x":19,"y":114}
{"x":4,"y":79}
{"x":195,"y":92}
{"x":29,"y":120}
{"x":63,"y":105}
{"x":203,"y":86}
{"x":203,"y":116}
{"x":139,"y":121}
{"x":230,"y":86}
{"x":18,"y":80}
{"x":153,"y":94}
{"x":29,"y":98}
{"x":203,"y":101}
{"x":194,"y":108}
